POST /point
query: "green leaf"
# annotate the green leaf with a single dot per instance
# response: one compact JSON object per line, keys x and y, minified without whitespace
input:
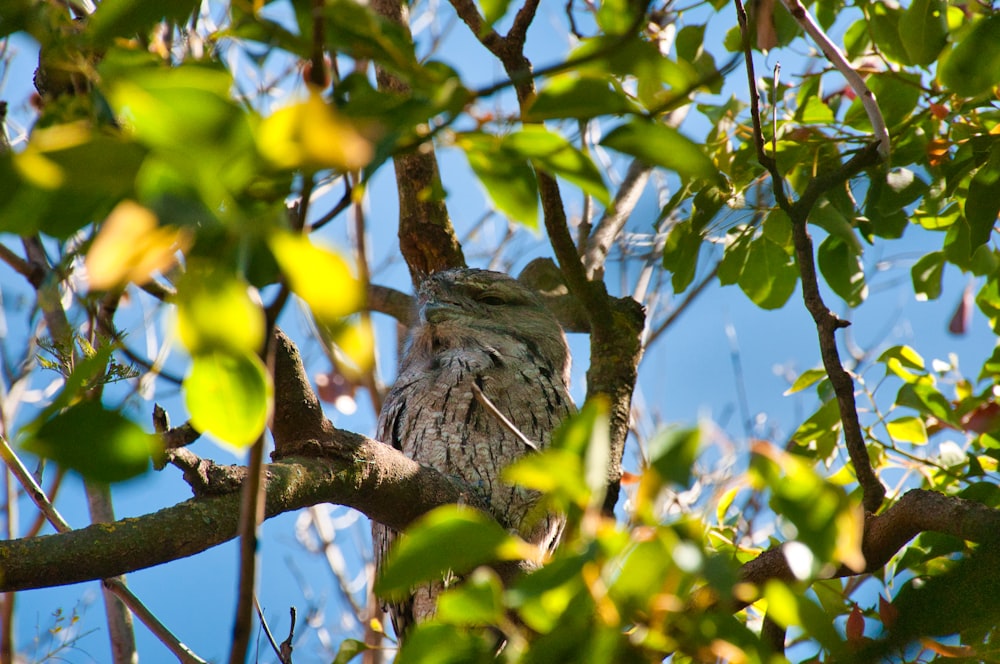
{"x":923,"y":29}
{"x":102,"y":445}
{"x":806,"y":379}
{"x":354,"y":29}
{"x":672,"y":453}
{"x":434,"y":643}
{"x":477,"y":601}
{"x":494,"y":10}
{"x":320,"y":276}
{"x":898,"y":95}
{"x":983,"y":202}
{"x":229,"y":396}
{"x":927,"y":275}
{"x":884,"y":30}
{"x":473,"y":539}
{"x":908,"y":429}
{"x":842,"y":269}
{"x":680,"y":254}
{"x":825,"y":519}
{"x":735,"y":255}
{"x":121,"y":18}
{"x":215,"y":311}
{"x":348,"y":650}
{"x":925,"y":398}
{"x":552,"y":153}
{"x":663,"y":146}
{"x":821,"y":431}
{"x":769,"y":275}
{"x":506,"y":175}
{"x":973,"y":66}
{"x":568,"y":96}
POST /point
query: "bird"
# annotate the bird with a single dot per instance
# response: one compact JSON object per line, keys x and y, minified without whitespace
{"x":483,"y":349}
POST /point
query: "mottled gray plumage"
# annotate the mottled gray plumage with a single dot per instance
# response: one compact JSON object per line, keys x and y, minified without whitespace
{"x":482,"y":328}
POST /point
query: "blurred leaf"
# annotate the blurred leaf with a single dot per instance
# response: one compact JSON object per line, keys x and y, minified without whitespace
{"x":494,"y":10}
{"x":355,"y":29}
{"x":423,"y":645}
{"x":672,"y":453}
{"x":311,"y":135}
{"x":215,"y":311}
{"x":552,"y":153}
{"x":506,"y":175}
{"x":660,"y":145}
{"x":769,"y":275}
{"x":477,"y":601}
{"x":122,"y":18}
{"x":319,"y":276}
{"x":923,"y":29}
{"x":842,"y":269}
{"x":473,"y":539}
{"x":348,"y":650}
{"x":790,"y":608}
{"x":229,"y":396}
{"x":568,"y":96}
{"x":972,"y":67}
{"x":927,"y":275}
{"x":825,"y":519}
{"x":900,"y":359}
{"x":102,"y":445}
{"x":131,"y":247}
{"x":908,"y":429}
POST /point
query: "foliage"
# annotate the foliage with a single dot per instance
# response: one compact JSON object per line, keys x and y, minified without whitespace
{"x":149,"y":167}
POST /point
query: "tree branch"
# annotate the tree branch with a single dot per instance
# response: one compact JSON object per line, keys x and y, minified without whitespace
{"x":614,"y":218}
{"x":427,"y":239}
{"x":918,"y":511}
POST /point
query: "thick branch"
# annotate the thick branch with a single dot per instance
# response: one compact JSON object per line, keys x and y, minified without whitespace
{"x":427,"y":239}
{"x":917,"y":511}
{"x":342,"y":468}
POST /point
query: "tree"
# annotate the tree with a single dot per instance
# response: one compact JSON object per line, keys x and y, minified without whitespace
{"x":154,"y":177}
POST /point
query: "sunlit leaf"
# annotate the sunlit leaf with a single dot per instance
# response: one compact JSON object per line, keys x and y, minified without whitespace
{"x":131,"y":247}
{"x":973,"y":66}
{"x":348,"y":650}
{"x":229,"y":396}
{"x":102,"y":445}
{"x":769,"y":275}
{"x":927,"y":275}
{"x":313,"y":136}
{"x":568,"y":96}
{"x":319,"y":276}
{"x":908,"y":429}
{"x":552,"y":153}
{"x":473,"y":539}
{"x":215,"y":311}
{"x":508,"y":178}
{"x":805,"y":379}
{"x":660,"y":145}
{"x":494,"y":10}
{"x":423,"y":645}
{"x":843,"y":271}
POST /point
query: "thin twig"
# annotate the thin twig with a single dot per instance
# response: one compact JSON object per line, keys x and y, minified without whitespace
{"x":485,"y":402}
{"x":836,"y":57}
{"x":611,"y":223}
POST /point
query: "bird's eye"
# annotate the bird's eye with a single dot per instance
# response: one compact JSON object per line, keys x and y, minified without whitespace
{"x":491,"y":300}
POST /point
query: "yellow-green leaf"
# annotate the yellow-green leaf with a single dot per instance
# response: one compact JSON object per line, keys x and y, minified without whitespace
{"x":909,"y":429}
{"x":229,"y":396}
{"x":215,"y":311}
{"x":319,"y":276}
{"x":312,"y":135}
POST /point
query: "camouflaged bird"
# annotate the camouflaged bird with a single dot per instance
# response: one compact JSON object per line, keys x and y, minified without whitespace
{"x":476,"y":330}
